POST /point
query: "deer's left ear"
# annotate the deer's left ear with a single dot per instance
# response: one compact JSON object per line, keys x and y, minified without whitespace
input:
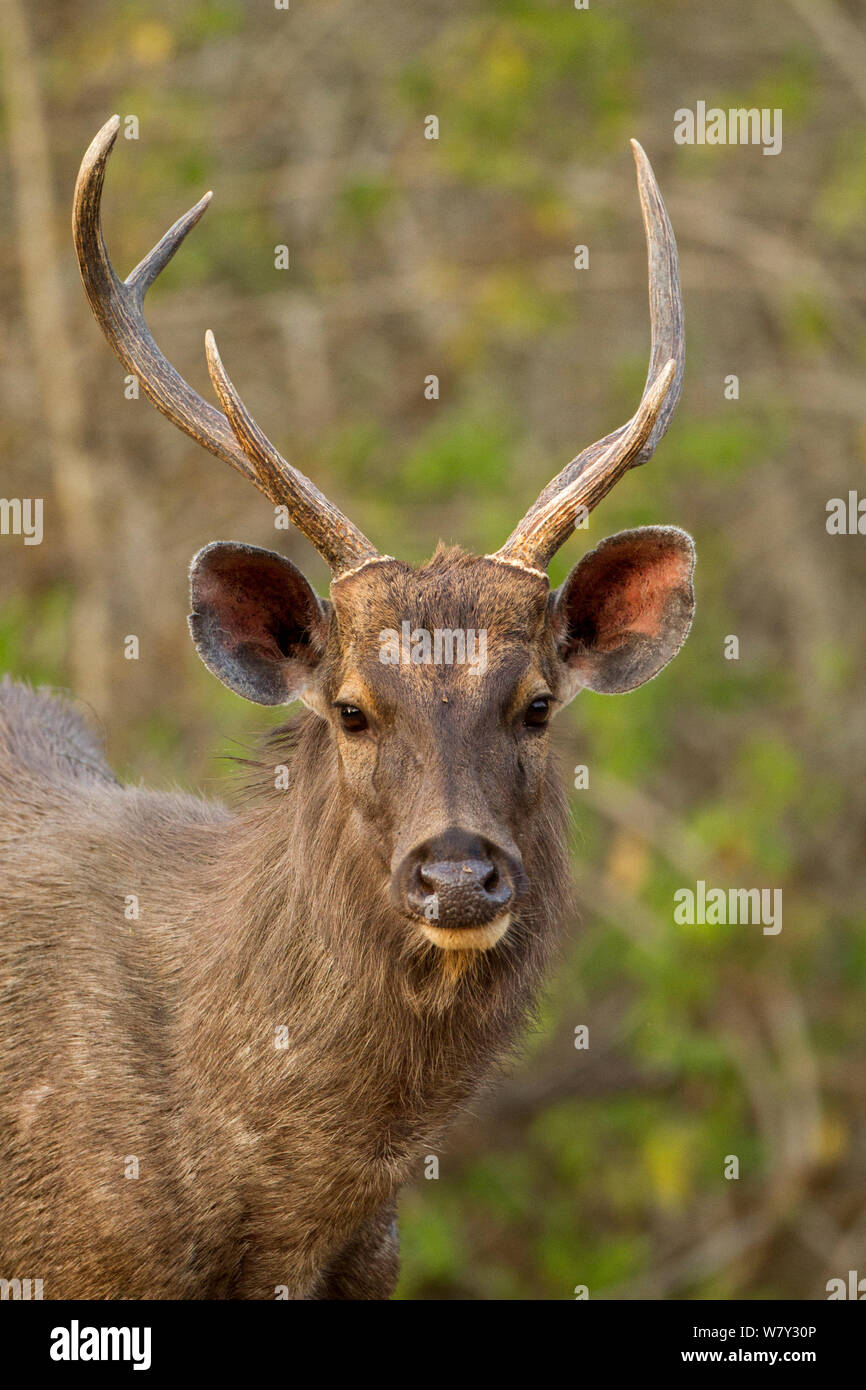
{"x":625,"y":610}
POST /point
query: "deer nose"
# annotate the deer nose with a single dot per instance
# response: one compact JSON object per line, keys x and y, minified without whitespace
{"x":458,"y":880}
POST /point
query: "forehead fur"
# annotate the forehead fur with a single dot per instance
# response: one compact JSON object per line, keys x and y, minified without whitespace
{"x":453,"y":590}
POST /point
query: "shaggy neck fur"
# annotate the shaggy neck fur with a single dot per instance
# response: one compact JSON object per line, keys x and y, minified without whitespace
{"x":384,"y":1033}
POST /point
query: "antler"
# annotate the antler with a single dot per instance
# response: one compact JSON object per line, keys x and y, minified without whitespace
{"x":590,"y":476}
{"x":119,"y":310}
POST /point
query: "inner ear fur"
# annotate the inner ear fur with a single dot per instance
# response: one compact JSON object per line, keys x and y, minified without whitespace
{"x":256,"y":623}
{"x":625,"y":610}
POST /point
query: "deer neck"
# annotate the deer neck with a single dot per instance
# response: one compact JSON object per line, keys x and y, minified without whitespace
{"x":312,"y":1020}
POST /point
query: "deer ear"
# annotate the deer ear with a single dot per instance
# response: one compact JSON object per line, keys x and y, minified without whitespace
{"x":255,"y":622}
{"x":625,"y":610}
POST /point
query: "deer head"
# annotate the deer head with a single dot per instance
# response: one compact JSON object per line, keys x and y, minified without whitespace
{"x":444,"y":761}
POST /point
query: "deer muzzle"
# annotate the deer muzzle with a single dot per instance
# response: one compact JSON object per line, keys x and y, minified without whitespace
{"x":459,"y":888}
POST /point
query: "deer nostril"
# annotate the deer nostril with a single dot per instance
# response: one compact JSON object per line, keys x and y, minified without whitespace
{"x":457,"y":879}
{"x":460,"y":876}
{"x":465,"y":892}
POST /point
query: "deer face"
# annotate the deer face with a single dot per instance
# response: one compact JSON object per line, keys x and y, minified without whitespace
{"x":444,"y":759}
{"x":438,"y":686}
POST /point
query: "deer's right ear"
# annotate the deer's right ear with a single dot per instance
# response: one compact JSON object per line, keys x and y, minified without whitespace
{"x":255,"y":621}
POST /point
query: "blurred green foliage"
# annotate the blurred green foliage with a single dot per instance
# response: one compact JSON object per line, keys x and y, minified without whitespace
{"x":601,"y":1167}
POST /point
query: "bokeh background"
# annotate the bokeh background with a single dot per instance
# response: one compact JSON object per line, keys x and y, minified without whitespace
{"x":408,"y":257}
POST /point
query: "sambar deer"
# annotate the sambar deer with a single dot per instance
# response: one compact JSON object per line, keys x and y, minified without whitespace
{"x":222,"y":1098}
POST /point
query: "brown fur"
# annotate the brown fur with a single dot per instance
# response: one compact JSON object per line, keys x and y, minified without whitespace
{"x":265,"y":1168}
{"x":261,"y":1167}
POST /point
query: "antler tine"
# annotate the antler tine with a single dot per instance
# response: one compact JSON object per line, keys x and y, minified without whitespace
{"x":590,"y":476}
{"x":333,"y":535}
{"x":545,"y":529}
{"x":118,"y":308}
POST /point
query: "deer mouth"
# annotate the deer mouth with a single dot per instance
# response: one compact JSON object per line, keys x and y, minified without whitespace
{"x":467,"y":938}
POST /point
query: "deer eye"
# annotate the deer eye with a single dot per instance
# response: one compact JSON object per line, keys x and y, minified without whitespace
{"x":537,"y":713}
{"x":352,"y":719}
